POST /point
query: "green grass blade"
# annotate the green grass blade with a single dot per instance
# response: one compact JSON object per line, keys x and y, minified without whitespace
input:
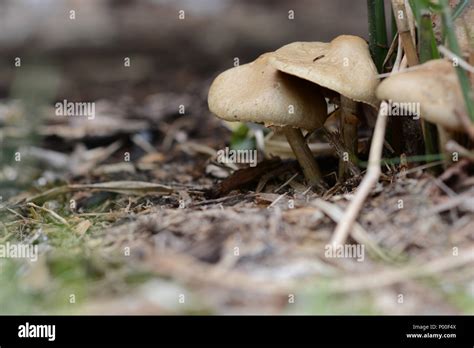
{"x":460,"y":8}
{"x":428,"y":51}
{"x":377,"y":32}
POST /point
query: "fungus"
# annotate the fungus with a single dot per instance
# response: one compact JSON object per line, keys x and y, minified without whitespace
{"x":343,"y":67}
{"x":434,"y":86}
{"x":257,"y":92}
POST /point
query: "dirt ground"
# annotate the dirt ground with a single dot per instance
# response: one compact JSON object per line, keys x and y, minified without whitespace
{"x":132,"y":214}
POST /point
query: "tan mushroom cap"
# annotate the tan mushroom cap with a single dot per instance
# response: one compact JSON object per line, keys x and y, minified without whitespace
{"x":344,"y":65}
{"x":434,"y":85}
{"x":257,"y":92}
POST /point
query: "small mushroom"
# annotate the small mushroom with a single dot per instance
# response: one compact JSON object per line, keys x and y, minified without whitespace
{"x":257,"y":92}
{"x":435,"y":88}
{"x":434,"y":85}
{"x":343,"y":67}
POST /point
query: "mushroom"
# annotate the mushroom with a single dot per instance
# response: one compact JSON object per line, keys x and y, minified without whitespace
{"x":435,"y":88}
{"x":343,"y":67}
{"x":257,"y":92}
{"x":434,"y":85}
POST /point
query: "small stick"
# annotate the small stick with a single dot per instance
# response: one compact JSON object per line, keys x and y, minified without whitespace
{"x":276,"y":200}
{"x":286,"y":182}
{"x":373,"y":173}
{"x":421,"y":167}
{"x":391,"y":50}
{"x":402,"y":19}
{"x":453,"y":146}
{"x":455,"y":58}
{"x":359,"y":234}
{"x":52,"y":213}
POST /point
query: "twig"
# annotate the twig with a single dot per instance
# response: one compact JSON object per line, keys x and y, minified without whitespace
{"x":359,"y":234}
{"x":276,"y":200}
{"x":455,"y":58}
{"x":452,"y":203}
{"x":373,"y":173}
{"x":287,"y":182}
{"x":411,"y":21}
{"x":391,"y":50}
{"x":403,"y":25}
{"x":453,"y":146}
{"x":50,"y":212}
{"x":144,"y":144}
{"x":237,"y":197}
{"x":423,"y":166}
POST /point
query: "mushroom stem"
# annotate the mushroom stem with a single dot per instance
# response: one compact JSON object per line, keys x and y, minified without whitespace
{"x":303,"y":155}
{"x":349,"y":122}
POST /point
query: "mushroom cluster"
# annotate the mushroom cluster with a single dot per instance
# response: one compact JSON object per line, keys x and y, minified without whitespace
{"x":257,"y":92}
{"x":286,"y":89}
{"x":345,"y":71}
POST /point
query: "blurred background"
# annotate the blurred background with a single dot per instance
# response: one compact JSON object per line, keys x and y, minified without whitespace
{"x":167,"y":53}
{"x":139,"y":61}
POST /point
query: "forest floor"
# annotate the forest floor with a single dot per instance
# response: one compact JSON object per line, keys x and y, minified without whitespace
{"x":131,"y":213}
{"x":135,"y":227}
